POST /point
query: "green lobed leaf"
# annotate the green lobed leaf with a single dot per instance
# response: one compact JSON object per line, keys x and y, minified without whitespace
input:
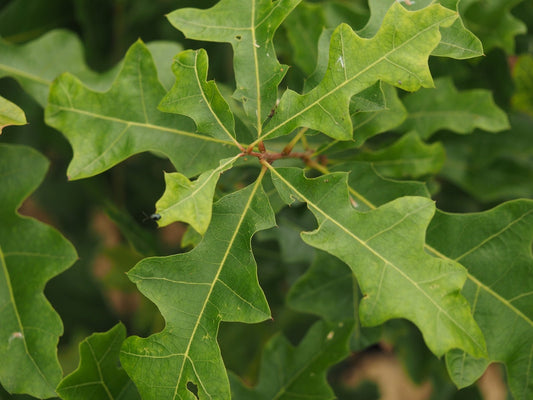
{"x":31,"y":253}
{"x":10,"y":114}
{"x":377,"y":98}
{"x":373,"y":110}
{"x":493,"y":167}
{"x":188,"y":201}
{"x":385,"y":249}
{"x":216,"y":281}
{"x":444,"y":107}
{"x":106,"y":128}
{"x":289,"y":372}
{"x":495,"y":247}
{"x":493,"y":22}
{"x":457,"y":41}
{"x":304,"y":27}
{"x":328,"y":289}
{"x":98,"y":376}
{"x":33,"y":67}
{"x":368,"y":188}
{"x":397,"y":55}
{"x":408,"y":157}
{"x":192,"y":95}
{"x":522,"y":99}
{"x":322,"y":61}
{"x":249,"y":27}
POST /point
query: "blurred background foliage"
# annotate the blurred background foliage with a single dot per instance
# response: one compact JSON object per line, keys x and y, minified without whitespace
{"x":105,"y":217}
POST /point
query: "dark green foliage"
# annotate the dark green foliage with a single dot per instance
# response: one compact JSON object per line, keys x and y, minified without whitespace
{"x":306,"y":155}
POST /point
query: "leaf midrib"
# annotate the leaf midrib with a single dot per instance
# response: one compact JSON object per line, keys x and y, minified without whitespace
{"x":377,"y":254}
{"x":469,"y":275}
{"x":141,"y":124}
{"x":17,"y":72}
{"x":98,"y":368}
{"x":256,"y":72}
{"x":204,"y":183}
{"x":208,"y":104}
{"x":339,"y":87}
{"x":215,"y":279}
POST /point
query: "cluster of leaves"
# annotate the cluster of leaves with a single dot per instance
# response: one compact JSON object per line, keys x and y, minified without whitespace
{"x":331,"y":164}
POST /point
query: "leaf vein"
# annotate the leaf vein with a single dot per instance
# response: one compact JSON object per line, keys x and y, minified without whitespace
{"x":99,"y":370}
{"x":494,"y":235}
{"x":356,"y":76}
{"x":373,"y":251}
{"x":216,"y":277}
{"x":208,"y":103}
{"x":143,"y":125}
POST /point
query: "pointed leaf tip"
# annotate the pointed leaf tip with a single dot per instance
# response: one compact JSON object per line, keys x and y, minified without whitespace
{"x":10,"y":114}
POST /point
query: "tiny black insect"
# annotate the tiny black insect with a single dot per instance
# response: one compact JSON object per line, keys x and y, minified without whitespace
{"x":153,"y":217}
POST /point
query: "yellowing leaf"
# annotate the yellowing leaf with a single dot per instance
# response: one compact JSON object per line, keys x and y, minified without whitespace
{"x":457,"y":41}
{"x":10,"y":114}
{"x":188,"y":201}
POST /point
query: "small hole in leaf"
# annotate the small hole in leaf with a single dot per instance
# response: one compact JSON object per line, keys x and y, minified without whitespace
{"x":193,"y":389}
{"x":238,"y":37}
